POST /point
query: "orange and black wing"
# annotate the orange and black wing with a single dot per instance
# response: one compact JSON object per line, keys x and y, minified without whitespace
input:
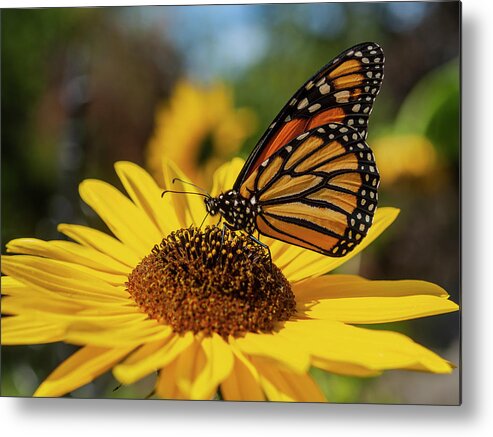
{"x":343,"y":91}
{"x":319,"y":191}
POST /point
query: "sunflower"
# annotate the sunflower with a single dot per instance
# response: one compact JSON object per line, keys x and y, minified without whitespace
{"x":413,"y":157}
{"x":198,"y":129}
{"x":209,"y":312}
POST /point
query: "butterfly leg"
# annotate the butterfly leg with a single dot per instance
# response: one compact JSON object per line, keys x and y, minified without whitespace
{"x":225,"y":225}
{"x":251,"y":236}
{"x":201,"y":224}
{"x":256,"y":240}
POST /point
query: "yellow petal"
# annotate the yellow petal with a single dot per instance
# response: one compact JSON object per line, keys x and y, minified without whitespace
{"x":37,"y":302}
{"x":61,"y":277}
{"x":241,"y":384}
{"x":151,"y":357}
{"x":105,"y":334}
{"x":373,"y":349}
{"x":80,"y":369}
{"x":33,"y":297}
{"x":225,"y":176}
{"x":189,"y":208}
{"x":218,"y":366}
{"x":10,"y":285}
{"x":36,"y":248}
{"x":166,"y":387}
{"x":285,"y":386}
{"x":341,"y":368}
{"x":67,"y":313}
{"x":274,"y":347}
{"x":68,"y":251}
{"x":146,"y":194}
{"x":366,"y":310}
{"x":127,"y":222}
{"x":13,"y":287}
{"x":353,"y":299}
{"x":24,"y":330}
{"x":100,"y":241}
{"x":14,"y":305}
{"x":189,"y":365}
{"x":176,"y":379}
{"x":283,"y":254}
{"x":344,"y":286}
{"x":310,"y":264}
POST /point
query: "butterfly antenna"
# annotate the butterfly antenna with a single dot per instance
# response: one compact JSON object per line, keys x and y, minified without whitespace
{"x":193,"y":185}
{"x":183,"y":192}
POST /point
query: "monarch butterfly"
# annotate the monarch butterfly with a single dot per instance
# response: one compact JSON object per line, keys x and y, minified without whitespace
{"x":311,"y":180}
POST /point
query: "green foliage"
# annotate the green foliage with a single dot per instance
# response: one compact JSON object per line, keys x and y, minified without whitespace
{"x":29,"y":38}
{"x":338,"y":389}
{"x":432,"y":109}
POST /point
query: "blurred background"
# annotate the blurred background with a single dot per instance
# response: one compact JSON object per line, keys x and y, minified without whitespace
{"x":85,"y":87}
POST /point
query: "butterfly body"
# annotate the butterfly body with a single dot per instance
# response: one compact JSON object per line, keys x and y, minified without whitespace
{"x":240,"y":213}
{"x":312,"y":180}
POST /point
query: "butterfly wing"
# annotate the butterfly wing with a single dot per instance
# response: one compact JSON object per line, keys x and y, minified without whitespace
{"x":319,"y":191}
{"x":343,"y":91}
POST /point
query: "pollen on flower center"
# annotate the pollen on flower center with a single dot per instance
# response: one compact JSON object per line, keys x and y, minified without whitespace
{"x":202,"y":281}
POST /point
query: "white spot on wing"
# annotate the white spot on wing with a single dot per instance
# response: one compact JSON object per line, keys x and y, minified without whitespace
{"x":303,"y":103}
{"x":342,"y":96}
{"x":324,"y":89}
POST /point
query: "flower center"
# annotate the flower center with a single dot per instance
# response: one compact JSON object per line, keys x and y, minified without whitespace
{"x":202,"y":281}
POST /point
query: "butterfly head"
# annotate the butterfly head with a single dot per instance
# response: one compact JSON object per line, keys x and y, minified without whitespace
{"x":212,"y":205}
{"x":224,"y":204}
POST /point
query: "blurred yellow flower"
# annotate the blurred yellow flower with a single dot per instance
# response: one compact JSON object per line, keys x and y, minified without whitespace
{"x":205,"y":319}
{"x":198,"y":129}
{"x":401,"y":156}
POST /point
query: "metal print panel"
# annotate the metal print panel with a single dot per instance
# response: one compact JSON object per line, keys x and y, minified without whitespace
{"x":232,"y":203}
